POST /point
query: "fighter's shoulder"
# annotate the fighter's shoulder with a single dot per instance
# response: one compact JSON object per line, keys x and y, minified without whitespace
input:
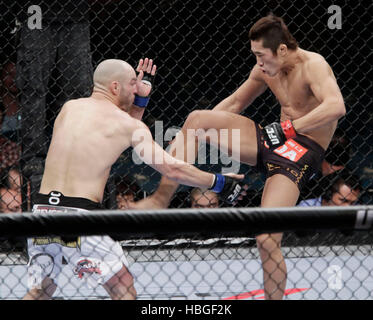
{"x":71,"y":106}
{"x":315,"y":62}
{"x":65,"y":110}
{"x":73,"y":102}
{"x":128,"y":123}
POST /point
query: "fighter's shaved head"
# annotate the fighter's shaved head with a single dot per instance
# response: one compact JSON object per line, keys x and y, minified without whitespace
{"x":112,"y":70}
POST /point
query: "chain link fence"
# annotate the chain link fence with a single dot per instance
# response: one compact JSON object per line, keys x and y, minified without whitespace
{"x":190,"y":261}
{"x":203,"y":54}
{"x":320,"y":266}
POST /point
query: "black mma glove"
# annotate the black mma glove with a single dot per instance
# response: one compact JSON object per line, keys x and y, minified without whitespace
{"x":275,"y":134}
{"x":228,"y":188}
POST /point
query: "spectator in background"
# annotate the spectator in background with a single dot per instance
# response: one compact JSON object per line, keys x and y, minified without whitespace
{"x":12,"y":179}
{"x":345,"y":190}
{"x":125,"y":193}
{"x":9,"y":150}
{"x":10,"y":201}
{"x":10,"y":191}
{"x":61,"y":42}
{"x":203,"y":199}
{"x":8,"y":89}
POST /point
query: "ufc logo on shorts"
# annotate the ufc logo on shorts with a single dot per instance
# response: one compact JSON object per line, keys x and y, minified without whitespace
{"x":291,"y":150}
{"x":54,"y":198}
{"x":272,"y":136}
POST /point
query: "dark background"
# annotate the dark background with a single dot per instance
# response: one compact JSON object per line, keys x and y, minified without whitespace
{"x":203,"y":54}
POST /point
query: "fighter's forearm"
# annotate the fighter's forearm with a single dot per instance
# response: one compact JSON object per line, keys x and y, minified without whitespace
{"x":325,"y":113}
{"x":253,"y":87}
{"x":136,"y":112}
{"x":161,"y":198}
{"x":187,"y":174}
{"x":229,"y":105}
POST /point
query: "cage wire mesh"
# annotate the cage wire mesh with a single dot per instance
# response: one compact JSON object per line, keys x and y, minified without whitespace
{"x":203,"y":54}
{"x":321,"y":266}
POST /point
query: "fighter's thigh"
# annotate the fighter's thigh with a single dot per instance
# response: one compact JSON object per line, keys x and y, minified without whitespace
{"x":101,"y":254}
{"x":234,"y":133}
{"x":279,"y":191}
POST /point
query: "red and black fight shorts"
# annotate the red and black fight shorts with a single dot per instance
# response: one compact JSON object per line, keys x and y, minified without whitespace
{"x":298,"y":159}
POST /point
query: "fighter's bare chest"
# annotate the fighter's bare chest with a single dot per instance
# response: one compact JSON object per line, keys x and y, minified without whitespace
{"x":291,"y":92}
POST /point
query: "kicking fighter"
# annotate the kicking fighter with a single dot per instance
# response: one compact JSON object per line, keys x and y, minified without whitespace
{"x":290,"y":151}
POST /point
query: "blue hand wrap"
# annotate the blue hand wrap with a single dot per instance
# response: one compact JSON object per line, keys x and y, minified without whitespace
{"x":219,"y":183}
{"x":141,"y":102}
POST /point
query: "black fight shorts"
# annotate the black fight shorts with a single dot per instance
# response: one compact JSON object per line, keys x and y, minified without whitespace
{"x":57,"y":199}
{"x":298,"y":159}
{"x":56,"y":202}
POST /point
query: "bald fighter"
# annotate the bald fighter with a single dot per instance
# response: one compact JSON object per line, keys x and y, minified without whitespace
{"x":290,"y":151}
{"x":88,"y":137}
